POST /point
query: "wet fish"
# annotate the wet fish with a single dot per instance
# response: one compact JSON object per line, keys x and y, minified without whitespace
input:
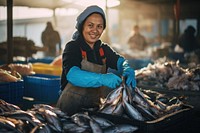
{"x":132,"y":112}
{"x":51,"y":119}
{"x":6,"y":76}
{"x":23,"y":115}
{"x":7,"y":107}
{"x":57,"y":111}
{"x":161,"y":105}
{"x":95,"y":126}
{"x":102,"y":121}
{"x":43,"y":128}
{"x":111,"y":97}
{"x":74,"y":129}
{"x":121,"y":128}
{"x":119,"y":110}
{"x":81,"y":119}
{"x":145,"y":112}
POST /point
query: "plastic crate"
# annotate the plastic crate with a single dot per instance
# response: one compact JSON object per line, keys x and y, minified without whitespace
{"x":139,"y":63}
{"x":47,"y":69}
{"x":41,"y":87}
{"x":172,"y":123}
{"x":12,"y":92}
{"x":41,"y":60}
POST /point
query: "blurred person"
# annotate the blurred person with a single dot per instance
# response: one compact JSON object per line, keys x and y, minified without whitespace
{"x":51,"y":41}
{"x":137,"y":41}
{"x":85,"y":62}
{"x":188,"y":41}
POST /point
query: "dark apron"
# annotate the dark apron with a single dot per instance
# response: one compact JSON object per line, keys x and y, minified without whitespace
{"x":73,"y":98}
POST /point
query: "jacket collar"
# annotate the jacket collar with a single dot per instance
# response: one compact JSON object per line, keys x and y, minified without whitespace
{"x":86,"y":47}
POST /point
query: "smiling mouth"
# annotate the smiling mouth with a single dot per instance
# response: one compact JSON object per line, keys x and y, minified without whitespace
{"x":93,"y":36}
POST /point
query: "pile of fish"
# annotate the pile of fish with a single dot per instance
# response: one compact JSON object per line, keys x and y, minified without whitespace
{"x":14,"y":72}
{"x":138,"y":104}
{"x":44,"y":118}
{"x":8,"y":76}
{"x":169,"y":75}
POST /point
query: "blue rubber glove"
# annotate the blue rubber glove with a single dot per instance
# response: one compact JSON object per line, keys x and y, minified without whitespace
{"x":126,"y":71}
{"x":81,"y":78}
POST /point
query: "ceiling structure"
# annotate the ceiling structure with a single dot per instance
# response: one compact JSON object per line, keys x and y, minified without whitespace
{"x":188,"y":8}
{"x":51,"y":4}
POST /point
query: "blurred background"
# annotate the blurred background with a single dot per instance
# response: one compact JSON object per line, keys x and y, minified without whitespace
{"x":161,"y":22}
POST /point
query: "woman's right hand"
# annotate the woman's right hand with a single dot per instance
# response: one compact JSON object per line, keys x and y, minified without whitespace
{"x":110,"y":80}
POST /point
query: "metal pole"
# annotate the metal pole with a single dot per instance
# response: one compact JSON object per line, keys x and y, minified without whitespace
{"x":9,"y":31}
{"x":107,"y":39}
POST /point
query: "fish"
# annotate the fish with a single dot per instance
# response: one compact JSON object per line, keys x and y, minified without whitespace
{"x":132,"y":112}
{"x":146,"y":113}
{"x":81,"y":119}
{"x":6,"y":76}
{"x":119,"y":110}
{"x":102,"y":121}
{"x":8,"y":107}
{"x":52,"y":119}
{"x":111,"y":97}
{"x":22,"y":69}
{"x":43,"y":128}
{"x":121,"y":128}
{"x":109,"y":109}
{"x":95,"y":126}
{"x":23,"y":115}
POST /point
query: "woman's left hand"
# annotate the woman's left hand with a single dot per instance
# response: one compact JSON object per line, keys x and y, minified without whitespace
{"x":129,"y":75}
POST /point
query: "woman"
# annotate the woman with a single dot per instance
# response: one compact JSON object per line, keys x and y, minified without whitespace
{"x":85,"y":61}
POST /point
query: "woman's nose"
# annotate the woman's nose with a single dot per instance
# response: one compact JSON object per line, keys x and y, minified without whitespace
{"x":94,"y":29}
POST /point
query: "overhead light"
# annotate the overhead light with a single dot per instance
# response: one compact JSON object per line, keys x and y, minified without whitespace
{"x":101,"y":3}
{"x":66,"y":12}
{"x":68,"y":1}
{"x":113,"y":3}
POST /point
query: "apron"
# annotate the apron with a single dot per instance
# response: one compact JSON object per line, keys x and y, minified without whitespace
{"x":73,"y":99}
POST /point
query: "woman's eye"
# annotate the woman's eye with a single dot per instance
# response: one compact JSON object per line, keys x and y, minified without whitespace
{"x":90,"y":25}
{"x":100,"y":26}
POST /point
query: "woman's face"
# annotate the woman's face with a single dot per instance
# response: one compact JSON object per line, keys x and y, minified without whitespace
{"x":93,"y":28}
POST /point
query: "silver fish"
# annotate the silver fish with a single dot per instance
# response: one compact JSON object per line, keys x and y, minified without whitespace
{"x":95,"y":126}
{"x":102,"y":121}
{"x":108,"y":109}
{"x":121,"y":128}
{"x":119,"y":109}
{"x":52,"y":119}
{"x":41,"y":129}
{"x":23,"y":115}
{"x":73,"y":128}
{"x":112,"y":96}
{"x":81,"y":119}
{"x":161,"y":105}
{"x":132,"y":112}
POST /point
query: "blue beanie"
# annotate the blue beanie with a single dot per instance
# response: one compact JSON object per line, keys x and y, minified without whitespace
{"x":82,"y":17}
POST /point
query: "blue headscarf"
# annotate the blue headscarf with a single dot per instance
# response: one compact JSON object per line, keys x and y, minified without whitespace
{"x":82,"y":17}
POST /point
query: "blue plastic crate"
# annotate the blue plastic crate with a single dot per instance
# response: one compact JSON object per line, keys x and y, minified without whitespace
{"x":12,"y":92}
{"x":42,"y":87}
{"x":139,"y":63}
{"x":47,"y":60}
